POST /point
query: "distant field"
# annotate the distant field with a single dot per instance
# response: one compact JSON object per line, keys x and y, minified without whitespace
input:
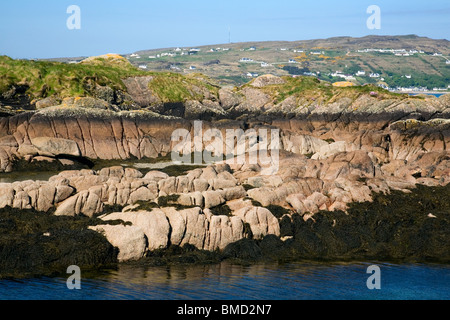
{"x":336,"y":54}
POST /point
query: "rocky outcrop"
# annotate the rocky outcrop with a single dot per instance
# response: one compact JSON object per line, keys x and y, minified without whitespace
{"x":184,"y":207}
{"x":194,"y":226}
{"x":266,"y":80}
{"x":383,"y":127}
{"x":137,"y":88}
{"x":331,"y":156}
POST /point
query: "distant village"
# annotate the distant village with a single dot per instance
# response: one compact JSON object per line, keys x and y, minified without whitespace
{"x":346,"y":79}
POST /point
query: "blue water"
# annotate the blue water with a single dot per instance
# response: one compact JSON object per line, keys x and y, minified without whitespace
{"x":293,"y":281}
{"x":437,"y":95}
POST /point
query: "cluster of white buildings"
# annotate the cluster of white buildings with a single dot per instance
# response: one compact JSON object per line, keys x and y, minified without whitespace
{"x":360,"y":73}
{"x":176,"y":52}
{"x":295,"y":50}
{"x":340,"y":74}
{"x":397,"y":52}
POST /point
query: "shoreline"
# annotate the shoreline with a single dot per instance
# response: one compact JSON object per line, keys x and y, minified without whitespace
{"x":428,"y":246}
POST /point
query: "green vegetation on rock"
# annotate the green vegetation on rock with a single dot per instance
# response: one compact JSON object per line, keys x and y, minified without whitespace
{"x":174,"y":87}
{"x":45,"y":78}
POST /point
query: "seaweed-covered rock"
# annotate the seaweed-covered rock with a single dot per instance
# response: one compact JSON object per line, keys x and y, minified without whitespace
{"x":37,"y":243}
{"x":245,"y":250}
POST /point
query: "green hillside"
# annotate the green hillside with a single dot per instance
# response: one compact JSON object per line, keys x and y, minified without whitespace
{"x":400,"y":61}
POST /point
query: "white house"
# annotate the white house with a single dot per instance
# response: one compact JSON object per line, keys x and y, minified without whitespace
{"x":152,"y":57}
{"x":374,"y":75}
{"x":447,"y":62}
{"x":246,"y":60}
{"x":264,"y":64}
{"x":360,"y":73}
{"x":407,"y":76}
{"x":252,"y":75}
{"x":143,"y":66}
{"x":192,"y":67}
{"x":338,"y":74}
{"x":292,"y":61}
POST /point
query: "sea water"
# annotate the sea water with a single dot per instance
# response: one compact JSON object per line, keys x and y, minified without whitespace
{"x":224,"y":281}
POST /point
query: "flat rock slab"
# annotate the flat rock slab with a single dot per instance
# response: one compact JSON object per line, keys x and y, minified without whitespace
{"x":56,"y":146}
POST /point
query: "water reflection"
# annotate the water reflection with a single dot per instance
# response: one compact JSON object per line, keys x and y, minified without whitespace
{"x":293,"y":281}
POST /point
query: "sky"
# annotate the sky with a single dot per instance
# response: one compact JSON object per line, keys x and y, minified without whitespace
{"x":38,"y":29}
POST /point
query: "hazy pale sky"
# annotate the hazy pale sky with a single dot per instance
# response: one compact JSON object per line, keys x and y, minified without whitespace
{"x":38,"y":29}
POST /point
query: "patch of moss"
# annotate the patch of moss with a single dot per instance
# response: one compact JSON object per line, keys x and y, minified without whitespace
{"x":247,"y":231}
{"x":179,"y":170}
{"x":221,"y":210}
{"x":165,"y":201}
{"x":248,"y":186}
{"x":148,"y":205}
{"x":176,"y":255}
{"x":277,"y":211}
{"x":256,"y":203}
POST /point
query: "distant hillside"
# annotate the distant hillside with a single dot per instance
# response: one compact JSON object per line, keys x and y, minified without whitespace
{"x":404,"y":60}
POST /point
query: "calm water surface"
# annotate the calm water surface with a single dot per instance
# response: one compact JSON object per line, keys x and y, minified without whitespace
{"x":293,"y":281}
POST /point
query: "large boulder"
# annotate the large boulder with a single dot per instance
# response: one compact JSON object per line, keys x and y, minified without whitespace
{"x":224,"y":230}
{"x":86,"y":202}
{"x":262,"y":222}
{"x":154,"y":224}
{"x":130,"y":240}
